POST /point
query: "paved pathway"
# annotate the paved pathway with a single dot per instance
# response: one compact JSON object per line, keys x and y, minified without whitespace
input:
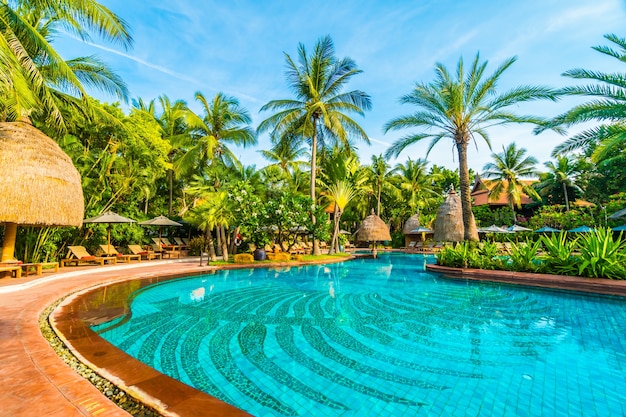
{"x":34,"y":380}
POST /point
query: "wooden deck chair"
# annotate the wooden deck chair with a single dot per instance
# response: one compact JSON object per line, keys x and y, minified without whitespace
{"x":78,"y":255}
{"x":411,"y":246}
{"x":157,"y":241}
{"x":165,"y":252}
{"x":186,"y":240}
{"x":180,"y":243}
{"x":109,"y":250}
{"x":145,"y":254}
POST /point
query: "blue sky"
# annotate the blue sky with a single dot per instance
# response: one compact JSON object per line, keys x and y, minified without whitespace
{"x":238,"y":47}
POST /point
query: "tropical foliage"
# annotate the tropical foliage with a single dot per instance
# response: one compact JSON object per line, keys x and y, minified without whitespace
{"x":160,"y":157}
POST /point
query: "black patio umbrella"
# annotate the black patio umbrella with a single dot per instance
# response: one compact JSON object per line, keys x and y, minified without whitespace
{"x":160,"y":221}
{"x":109,"y":218}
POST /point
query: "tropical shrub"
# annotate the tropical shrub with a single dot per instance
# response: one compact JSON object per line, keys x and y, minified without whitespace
{"x":523,"y":256}
{"x":601,"y":256}
{"x":558,"y":256}
{"x":243,"y":258}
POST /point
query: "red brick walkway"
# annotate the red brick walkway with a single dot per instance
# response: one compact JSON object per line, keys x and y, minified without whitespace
{"x":34,"y":380}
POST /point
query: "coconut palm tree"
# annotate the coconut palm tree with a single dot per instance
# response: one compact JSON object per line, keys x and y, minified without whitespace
{"x":607,"y":106}
{"x":380,"y":174}
{"x":461,"y":107}
{"x":417,"y":187}
{"x":175,"y":130}
{"x":224,"y":121}
{"x":509,"y":168}
{"x":36,"y":81}
{"x":559,"y":180}
{"x":320,"y":110}
{"x":285,"y":154}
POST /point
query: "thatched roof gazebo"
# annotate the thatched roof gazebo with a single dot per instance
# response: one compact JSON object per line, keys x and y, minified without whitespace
{"x":449,"y":221}
{"x":40,"y":185}
{"x":373,"y":229}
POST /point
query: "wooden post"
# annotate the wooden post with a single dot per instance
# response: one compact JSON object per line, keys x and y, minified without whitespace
{"x":8,"y":248}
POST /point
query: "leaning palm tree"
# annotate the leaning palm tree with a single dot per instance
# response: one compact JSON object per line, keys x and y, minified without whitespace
{"x":560,"y":179}
{"x":507,"y":171}
{"x":36,"y":81}
{"x":607,"y":107}
{"x":460,"y":107}
{"x":320,"y":110}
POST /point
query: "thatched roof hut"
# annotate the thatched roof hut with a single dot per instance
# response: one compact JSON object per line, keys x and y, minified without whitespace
{"x":412,"y":223}
{"x":373,"y":229}
{"x":40,"y":185}
{"x":449,"y":220}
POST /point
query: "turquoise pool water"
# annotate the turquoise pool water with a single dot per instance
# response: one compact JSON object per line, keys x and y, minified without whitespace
{"x":381,"y":338}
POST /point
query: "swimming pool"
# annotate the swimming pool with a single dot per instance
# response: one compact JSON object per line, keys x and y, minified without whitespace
{"x":380,"y":338}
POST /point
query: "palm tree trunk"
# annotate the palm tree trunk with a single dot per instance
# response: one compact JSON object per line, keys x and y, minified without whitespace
{"x":334,"y":241}
{"x":469,"y":224}
{"x":233,"y":247}
{"x":219,"y":240}
{"x":170,"y":174}
{"x":212,"y":255}
{"x":316,"y":243}
{"x":513,"y":211}
{"x":222,"y":232}
{"x":378,"y":201}
{"x":566,"y":200}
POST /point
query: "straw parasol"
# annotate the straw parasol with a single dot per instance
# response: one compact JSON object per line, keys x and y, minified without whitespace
{"x":109,"y":218}
{"x":160,"y":221}
{"x":449,"y":221}
{"x":373,"y":229}
{"x":40,"y":186}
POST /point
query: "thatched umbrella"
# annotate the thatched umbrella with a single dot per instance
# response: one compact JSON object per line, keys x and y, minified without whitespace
{"x":40,"y":186}
{"x":373,"y":229}
{"x":449,"y":220}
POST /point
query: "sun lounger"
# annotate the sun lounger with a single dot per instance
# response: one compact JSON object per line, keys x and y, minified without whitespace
{"x":144,"y":253}
{"x":110,"y":250}
{"x":180,"y":243}
{"x":78,"y":255}
{"x":165,"y":252}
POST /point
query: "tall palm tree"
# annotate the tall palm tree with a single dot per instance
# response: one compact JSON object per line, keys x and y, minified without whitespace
{"x":507,"y":170}
{"x":607,"y":106}
{"x":224,"y":121}
{"x":560,"y":179}
{"x":380,"y":176}
{"x":173,"y":122}
{"x":461,"y":107}
{"x":320,"y":109}
{"x":36,"y":81}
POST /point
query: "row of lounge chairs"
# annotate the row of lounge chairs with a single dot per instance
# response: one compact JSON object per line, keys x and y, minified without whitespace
{"x":424,"y":247}
{"x":78,"y":255}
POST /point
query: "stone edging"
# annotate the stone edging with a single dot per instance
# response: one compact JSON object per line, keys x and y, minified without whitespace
{"x":561,"y":282}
